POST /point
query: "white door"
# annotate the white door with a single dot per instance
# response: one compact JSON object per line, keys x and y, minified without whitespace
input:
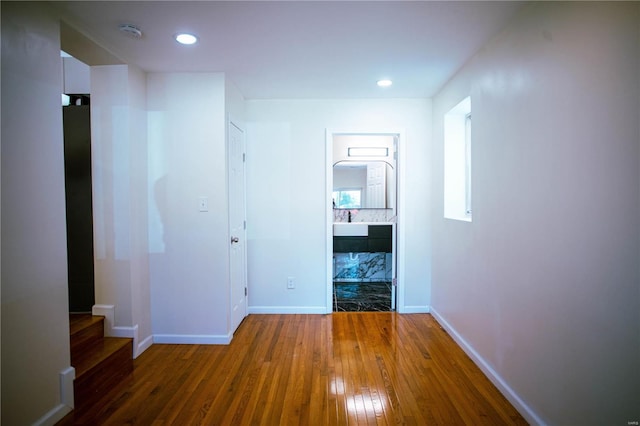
{"x":237,"y":228}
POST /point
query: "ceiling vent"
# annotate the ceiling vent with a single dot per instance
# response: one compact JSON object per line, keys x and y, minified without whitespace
{"x":131,"y":30}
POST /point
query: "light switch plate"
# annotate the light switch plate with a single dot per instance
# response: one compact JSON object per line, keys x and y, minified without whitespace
{"x":203,"y":204}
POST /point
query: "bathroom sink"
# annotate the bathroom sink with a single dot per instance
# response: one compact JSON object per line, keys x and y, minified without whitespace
{"x":350,"y":229}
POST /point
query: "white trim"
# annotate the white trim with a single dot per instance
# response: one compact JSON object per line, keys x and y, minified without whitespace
{"x":400,"y":221}
{"x":192,"y":339}
{"x":111,"y":330}
{"x":530,"y":416}
{"x":400,"y":209}
{"x":57,"y":413}
{"x":416,"y":310}
{"x":143,"y":346}
{"x":128,"y":332}
{"x":121,"y":331}
{"x":329,"y":220}
{"x":313,"y":310}
{"x":67,"y":376}
{"x":108,"y":312}
{"x":53,"y":416}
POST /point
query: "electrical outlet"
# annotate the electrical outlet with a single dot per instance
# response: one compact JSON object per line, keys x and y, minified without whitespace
{"x":291,"y":283}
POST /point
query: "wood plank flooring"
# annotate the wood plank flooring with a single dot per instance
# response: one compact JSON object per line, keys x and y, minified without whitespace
{"x":347,"y":368}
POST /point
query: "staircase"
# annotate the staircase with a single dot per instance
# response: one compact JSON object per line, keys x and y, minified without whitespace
{"x":100,"y":362}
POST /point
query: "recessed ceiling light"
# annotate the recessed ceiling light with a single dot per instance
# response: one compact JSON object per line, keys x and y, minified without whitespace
{"x":186,"y":38}
{"x":385,"y":83}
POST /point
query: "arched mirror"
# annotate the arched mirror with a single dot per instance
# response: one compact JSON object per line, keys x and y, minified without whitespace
{"x":364,"y":175}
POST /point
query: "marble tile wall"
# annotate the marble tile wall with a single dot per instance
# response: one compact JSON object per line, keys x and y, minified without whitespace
{"x":362,"y":267}
{"x":365,"y":215}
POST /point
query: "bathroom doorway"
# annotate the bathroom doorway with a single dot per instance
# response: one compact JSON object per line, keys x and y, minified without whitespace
{"x":362,"y":219}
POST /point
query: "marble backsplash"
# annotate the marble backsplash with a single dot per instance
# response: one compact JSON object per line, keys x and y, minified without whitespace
{"x":362,"y":267}
{"x":364,"y":215}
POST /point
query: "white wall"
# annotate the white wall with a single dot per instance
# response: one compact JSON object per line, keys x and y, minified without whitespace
{"x":189,"y":259}
{"x":139,"y":218}
{"x":111,"y":169}
{"x":234,"y":103}
{"x":543,"y":287}
{"x":35,"y":322}
{"x":77,"y":76}
{"x":286,"y":191}
{"x":119,"y":174}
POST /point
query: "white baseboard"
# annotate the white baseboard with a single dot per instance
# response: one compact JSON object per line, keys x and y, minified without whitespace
{"x":287,"y":309}
{"x":143,"y":346}
{"x":67,"y":376}
{"x":57,"y":413}
{"x":192,"y":339}
{"x":108,"y":312}
{"x":129,"y":332}
{"x":53,"y":416}
{"x":110,"y":329}
{"x":526,"y":412}
{"x":415,"y":310}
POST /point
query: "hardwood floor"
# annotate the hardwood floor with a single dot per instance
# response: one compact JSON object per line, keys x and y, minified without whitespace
{"x":338,"y":369}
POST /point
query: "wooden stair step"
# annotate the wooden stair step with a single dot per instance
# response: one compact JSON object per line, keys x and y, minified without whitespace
{"x":85,"y":330}
{"x":78,"y":322}
{"x":100,"y":352}
{"x":100,"y":367}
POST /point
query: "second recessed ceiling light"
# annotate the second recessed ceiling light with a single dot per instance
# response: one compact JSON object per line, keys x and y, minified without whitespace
{"x":186,"y":38}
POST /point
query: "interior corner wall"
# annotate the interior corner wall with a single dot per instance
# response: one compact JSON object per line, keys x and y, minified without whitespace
{"x":542,"y":287}
{"x":35,"y":308}
{"x":119,"y":174}
{"x":286,"y":191}
{"x":140,"y":282}
{"x":111,"y":169}
{"x":189,"y":249}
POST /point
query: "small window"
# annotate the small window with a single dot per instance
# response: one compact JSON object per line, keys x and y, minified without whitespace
{"x":467,"y":164}
{"x":347,"y":198}
{"x":457,"y":162}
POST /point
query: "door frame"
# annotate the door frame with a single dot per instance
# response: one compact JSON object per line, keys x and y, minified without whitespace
{"x":399,"y":226}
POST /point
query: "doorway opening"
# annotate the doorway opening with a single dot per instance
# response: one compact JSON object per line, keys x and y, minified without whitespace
{"x":362,"y":186}
{"x":79,"y":206}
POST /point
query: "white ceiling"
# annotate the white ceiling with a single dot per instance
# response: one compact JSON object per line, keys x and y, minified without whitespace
{"x":300,"y":49}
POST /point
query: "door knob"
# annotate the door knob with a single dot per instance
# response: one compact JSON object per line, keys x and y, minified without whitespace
{"x":234,"y":240}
